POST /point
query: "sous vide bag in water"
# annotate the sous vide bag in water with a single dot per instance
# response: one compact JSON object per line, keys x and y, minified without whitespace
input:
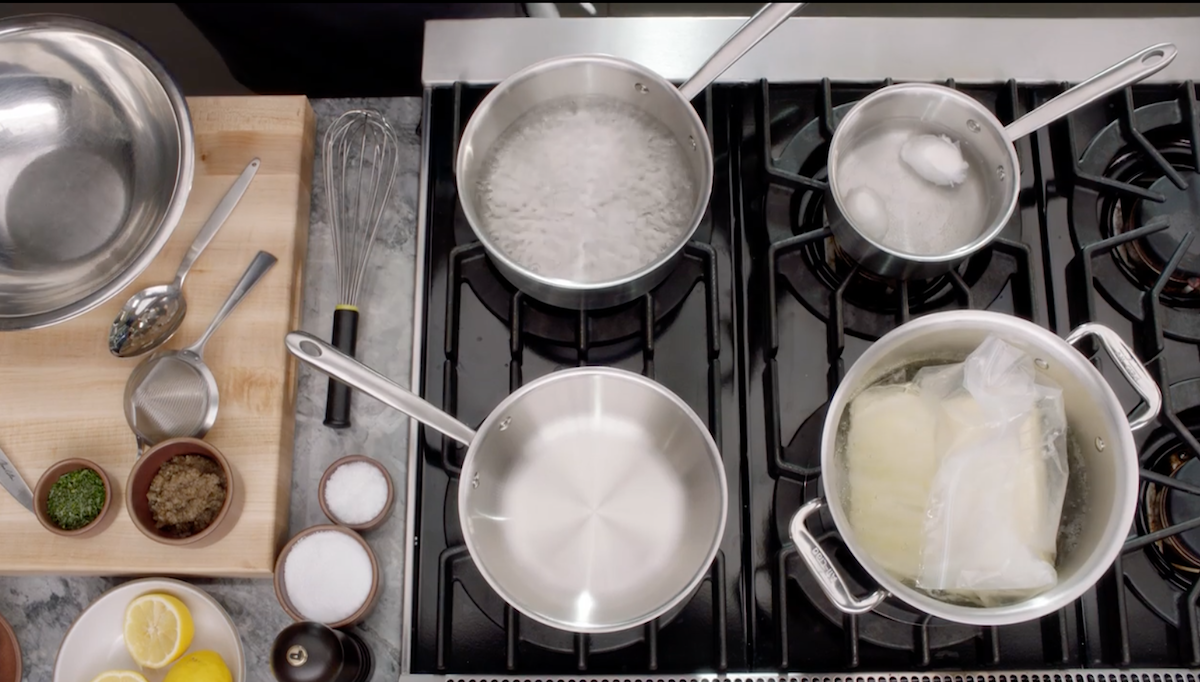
{"x":996,"y":500}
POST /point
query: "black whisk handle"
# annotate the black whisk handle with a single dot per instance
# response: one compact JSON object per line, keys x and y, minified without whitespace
{"x":345,"y":338}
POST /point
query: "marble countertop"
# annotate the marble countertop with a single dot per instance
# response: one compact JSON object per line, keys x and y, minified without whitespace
{"x":41,"y":608}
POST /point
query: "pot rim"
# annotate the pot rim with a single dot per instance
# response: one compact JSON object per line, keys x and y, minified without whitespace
{"x":987,"y":119}
{"x":1121,"y":511}
{"x":466,"y":152}
{"x":490,"y":423}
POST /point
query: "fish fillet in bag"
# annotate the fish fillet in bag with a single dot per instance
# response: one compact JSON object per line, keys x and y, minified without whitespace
{"x":996,"y":500}
{"x":890,"y":462}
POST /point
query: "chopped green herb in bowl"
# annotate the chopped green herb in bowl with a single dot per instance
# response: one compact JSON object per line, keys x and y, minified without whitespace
{"x":76,"y":499}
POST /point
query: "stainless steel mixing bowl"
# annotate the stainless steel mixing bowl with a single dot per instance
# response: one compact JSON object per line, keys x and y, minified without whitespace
{"x":96,"y":156}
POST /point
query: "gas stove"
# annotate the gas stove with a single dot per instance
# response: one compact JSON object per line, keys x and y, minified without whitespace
{"x":755,"y":329}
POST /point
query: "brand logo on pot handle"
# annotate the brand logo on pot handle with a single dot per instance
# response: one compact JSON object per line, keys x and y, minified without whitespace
{"x":824,"y":568}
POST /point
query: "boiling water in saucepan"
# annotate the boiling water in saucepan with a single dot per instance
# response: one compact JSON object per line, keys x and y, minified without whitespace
{"x":892,"y":204}
{"x":586,"y":189}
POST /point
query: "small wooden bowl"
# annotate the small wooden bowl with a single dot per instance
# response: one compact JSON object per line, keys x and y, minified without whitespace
{"x":387,"y":504}
{"x":42,"y":491}
{"x":281,"y":589}
{"x":10,"y":652}
{"x":146,"y":468}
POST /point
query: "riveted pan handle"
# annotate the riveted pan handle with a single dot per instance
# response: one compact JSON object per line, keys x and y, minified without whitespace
{"x":1131,"y":368}
{"x":814,"y":556}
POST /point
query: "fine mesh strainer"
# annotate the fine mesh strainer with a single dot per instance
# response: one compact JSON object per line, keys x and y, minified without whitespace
{"x":173,"y":394}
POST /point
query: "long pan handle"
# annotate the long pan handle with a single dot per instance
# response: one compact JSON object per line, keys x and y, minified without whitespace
{"x":1142,"y":65}
{"x":324,"y":357}
{"x":747,"y":36}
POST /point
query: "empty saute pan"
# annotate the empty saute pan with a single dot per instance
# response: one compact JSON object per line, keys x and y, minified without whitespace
{"x":592,"y":499}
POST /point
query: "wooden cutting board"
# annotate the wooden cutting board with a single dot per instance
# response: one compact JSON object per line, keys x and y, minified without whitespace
{"x":61,"y":391}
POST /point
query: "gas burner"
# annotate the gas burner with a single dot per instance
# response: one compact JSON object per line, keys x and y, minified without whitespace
{"x":892,"y":624}
{"x":817,"y":267}
{"x":1162,"y":190}
{"x":464,"y":572}
{"x":1165,"y":568}
{"x":560,"y":326}
{"x":1145,"y":259}
{"x":1160,"y":506}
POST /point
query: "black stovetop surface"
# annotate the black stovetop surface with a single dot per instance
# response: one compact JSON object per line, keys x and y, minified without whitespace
{"x":754,"y":330}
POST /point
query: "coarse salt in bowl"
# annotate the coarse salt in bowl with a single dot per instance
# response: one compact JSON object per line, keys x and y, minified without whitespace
{"x":327,"y":574}
{"x":356,"y":492}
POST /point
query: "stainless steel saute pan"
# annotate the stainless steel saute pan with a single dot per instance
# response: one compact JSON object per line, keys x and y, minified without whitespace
{"x":592,"y":500}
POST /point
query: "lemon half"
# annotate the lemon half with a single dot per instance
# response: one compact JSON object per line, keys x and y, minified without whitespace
{"x":120,"y":676}
{"x":200,"y":666}
{"x":158,"y":629}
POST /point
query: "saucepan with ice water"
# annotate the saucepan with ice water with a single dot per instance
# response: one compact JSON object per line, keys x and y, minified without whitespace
{"x":921,"y":176}
{"x":585,"y":176}
{"x":979,"y":468}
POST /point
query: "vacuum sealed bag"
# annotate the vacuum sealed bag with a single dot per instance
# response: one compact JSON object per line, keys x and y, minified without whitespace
{"x":995,"y":501}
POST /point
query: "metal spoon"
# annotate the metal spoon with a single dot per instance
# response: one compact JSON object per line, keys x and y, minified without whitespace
{"x":153,"y":315}
{"x":172,"y":393}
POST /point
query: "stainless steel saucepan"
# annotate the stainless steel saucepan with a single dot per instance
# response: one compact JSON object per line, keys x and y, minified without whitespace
{"x":619,"y":80}
{"x":1108,"y":458}
{"x":897,"y":224}
{"x":592,"y":499}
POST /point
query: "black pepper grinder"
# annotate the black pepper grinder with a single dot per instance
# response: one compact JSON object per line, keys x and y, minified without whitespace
{"x":312,"y":652}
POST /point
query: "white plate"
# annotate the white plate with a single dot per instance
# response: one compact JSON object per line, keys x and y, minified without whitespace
{"x":95,"y":642}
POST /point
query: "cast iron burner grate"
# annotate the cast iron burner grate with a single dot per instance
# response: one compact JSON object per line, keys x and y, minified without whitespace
{"x":1133,"y":225}
{"x":810,"y":261}
{"x":791,"y":245}
{"x":485,"y":339}
{"x":1136,"y":196}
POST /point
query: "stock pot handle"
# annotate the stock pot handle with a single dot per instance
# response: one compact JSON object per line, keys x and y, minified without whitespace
{"x":818,"y":562}
{"x":1131,"y":368}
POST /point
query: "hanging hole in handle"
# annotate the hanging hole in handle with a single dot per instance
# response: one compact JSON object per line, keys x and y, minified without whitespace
{"x":254,"y":163}
{"x":310,"y":349}
{"x":1153,"y":57}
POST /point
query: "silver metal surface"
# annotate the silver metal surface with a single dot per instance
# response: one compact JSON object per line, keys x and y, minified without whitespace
{"x":807,"y":49}
{"x":593,"y":499}
{"x":832,"y":583}
{"x":152,"y":316}
{"x":361,"y":157}
{"x":1055,"y":675}
{"x":987,"y":145}
{"x":1130,"y":367}
{"x":959,"y":116}
{"x":1136,"y":68}
{"x":583,"y":75}
{"x":322,"y":356}
{"x":577,"y":76}
{"x":1092,"y":410}
{"x":747,"y":36}
{"x":172,"y":393}
{"x":96,"y":156}
{"x":11,"y":481}
{"x":417,"y":378}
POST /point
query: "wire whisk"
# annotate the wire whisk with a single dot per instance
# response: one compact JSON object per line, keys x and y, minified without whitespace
{"x":361,"y":157}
